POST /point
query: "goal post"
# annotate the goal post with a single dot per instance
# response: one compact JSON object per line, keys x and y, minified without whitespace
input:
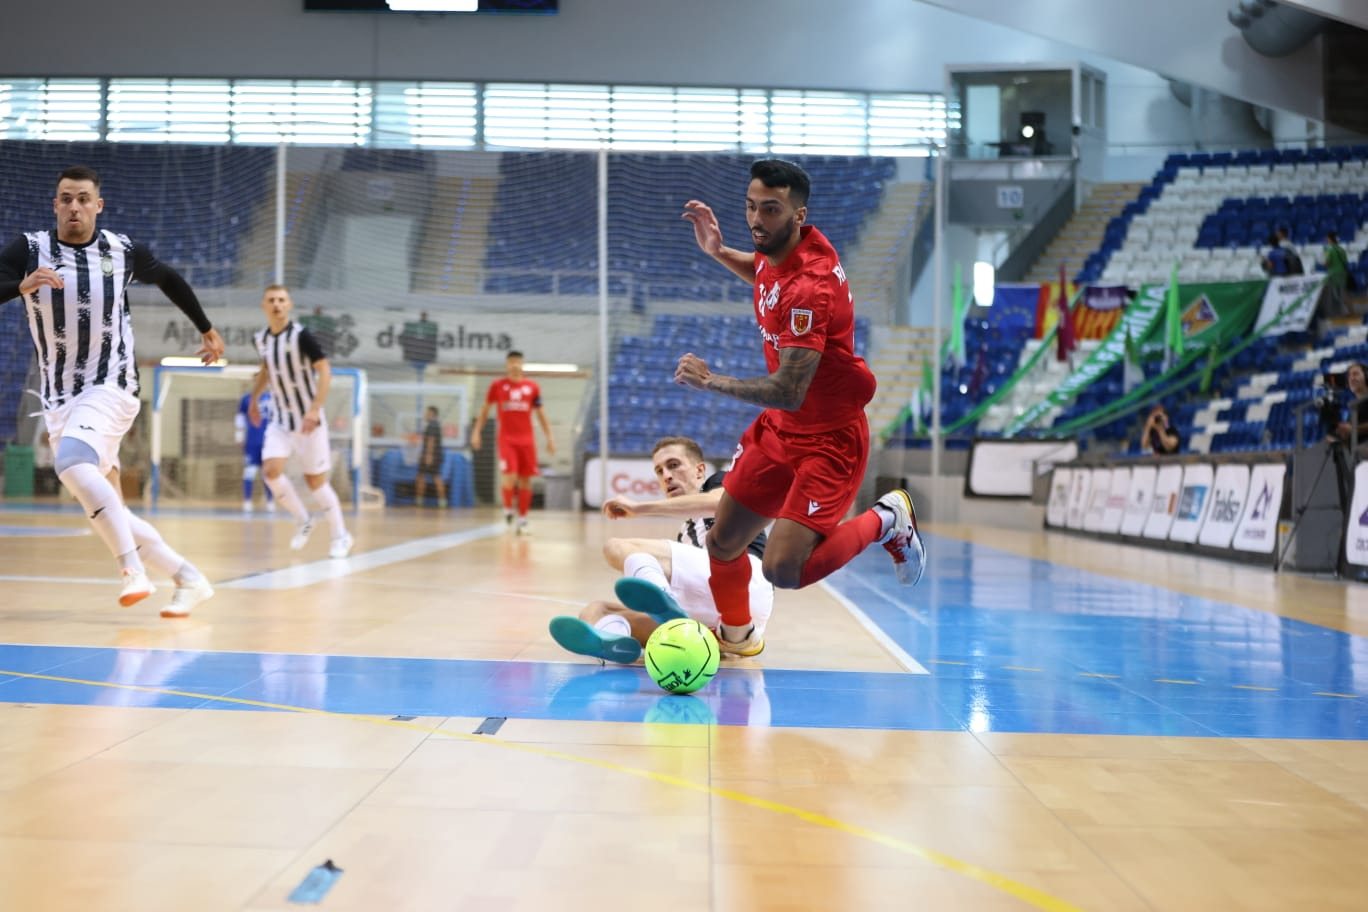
{"x":194,"y":455}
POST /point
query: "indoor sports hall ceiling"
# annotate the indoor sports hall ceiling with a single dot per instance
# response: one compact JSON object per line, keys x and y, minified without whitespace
{"x":1191,"y":41}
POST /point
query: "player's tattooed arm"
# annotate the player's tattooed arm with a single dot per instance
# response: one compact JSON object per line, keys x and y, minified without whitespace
{"x":785,"y":389}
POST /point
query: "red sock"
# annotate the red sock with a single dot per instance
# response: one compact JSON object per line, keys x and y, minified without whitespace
{"x":508,"y":498}
{"x":524,"y":499}
{"x":730,"y":585}
{"x":840,"y":547}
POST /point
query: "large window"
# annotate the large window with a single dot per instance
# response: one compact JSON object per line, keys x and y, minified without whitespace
{"x":467,"y":115}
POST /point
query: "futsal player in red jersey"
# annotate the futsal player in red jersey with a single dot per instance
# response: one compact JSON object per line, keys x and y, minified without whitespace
{"x":517,"y":398}
{"x":801,"y":461}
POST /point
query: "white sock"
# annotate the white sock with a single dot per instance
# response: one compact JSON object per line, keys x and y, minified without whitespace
{"x":326,"y":498}
{"x":160,"y":556}
{"x":646,"y":567}
{"x":284,"y":491}
{"x":105,"y":511}
{"x":613,"y":625}
{"x":886,"y":520}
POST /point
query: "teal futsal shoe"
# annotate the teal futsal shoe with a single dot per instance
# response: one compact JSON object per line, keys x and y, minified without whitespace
{"x":583,"y":639}
{"x":648,"y":598}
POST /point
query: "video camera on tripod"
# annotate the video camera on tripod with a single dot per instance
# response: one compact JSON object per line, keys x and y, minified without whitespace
{"x":1330,"y":400}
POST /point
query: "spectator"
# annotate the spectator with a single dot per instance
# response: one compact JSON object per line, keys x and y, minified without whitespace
{"x":1275,"y":260}
{"x":1294,"y":260}
{"x":1336,"y":278}
{"x":1159,"y":436}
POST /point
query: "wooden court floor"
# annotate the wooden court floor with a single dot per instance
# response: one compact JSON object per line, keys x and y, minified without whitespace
{"x":1045,"y":722}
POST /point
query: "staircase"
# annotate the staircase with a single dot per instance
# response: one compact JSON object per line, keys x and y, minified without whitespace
{"x":453,"y":235}
{"x":884,"y":248}
{"x":1082,"y":235}
{"x":896,"y":356}
{"x":256,"y":254}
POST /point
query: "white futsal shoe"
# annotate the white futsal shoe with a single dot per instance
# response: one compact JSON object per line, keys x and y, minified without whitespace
{"x":902,"y":541}
{"x":187,"y":597}
{"x":136,"y":587}
{"x":341,"y":546}
{"x":302,"y":533}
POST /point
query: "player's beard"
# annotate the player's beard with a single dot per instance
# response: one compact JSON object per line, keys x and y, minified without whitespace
{"x":777,"y":241}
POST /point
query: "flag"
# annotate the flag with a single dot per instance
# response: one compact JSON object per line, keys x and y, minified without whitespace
{"x":1132,"y":350}
{"x":924,"y":399}
{"x":1064,"y":335}
{"x":1173,"y":319}
{"x":955,"y":355}
{"x":1213,"y":354}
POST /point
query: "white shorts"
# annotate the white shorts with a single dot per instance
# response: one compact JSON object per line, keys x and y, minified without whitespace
{"x":99,"y":416}
{"x":689,"y":570}
{"x":315,"y":455}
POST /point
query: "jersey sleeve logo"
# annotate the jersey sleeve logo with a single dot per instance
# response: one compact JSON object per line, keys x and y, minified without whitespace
{"x":800,"y":320}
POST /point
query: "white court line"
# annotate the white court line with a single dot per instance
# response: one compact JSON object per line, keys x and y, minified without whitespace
{"x":331,"y":568}
{"x":102,"y":581}
{"x":897,"y":652}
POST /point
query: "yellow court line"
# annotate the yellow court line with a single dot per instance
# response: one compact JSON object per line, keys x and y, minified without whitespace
{"x":1252,"y":687}
{"x":945,"y":662}
{"x":1019,"y":668}
{"x":1322,"y":693}
{"x":1096,"y":674}
{"x":1175,"y":681}
{"x":1027,"y":894}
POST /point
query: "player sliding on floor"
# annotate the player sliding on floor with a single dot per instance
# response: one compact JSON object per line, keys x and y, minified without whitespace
{"x":665,"y":579}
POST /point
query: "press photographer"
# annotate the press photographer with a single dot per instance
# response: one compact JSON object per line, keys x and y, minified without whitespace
{"x":1341,"y":391}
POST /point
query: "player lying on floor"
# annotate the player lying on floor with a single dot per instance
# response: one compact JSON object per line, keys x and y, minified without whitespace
{"x":664,"y":578}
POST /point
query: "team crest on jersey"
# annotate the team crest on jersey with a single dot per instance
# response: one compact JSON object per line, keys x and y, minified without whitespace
{"x":107,"y":264}
{"x":800,"y":321}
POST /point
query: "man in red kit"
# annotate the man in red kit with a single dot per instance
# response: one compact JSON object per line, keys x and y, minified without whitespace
{"x":801,"y":461}
{"x":516,"y":398}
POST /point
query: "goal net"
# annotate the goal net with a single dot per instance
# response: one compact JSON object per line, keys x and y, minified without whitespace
{"x":429,"y":265}
{"x":195,"y":452}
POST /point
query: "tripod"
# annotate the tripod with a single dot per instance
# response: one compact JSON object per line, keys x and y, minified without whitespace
{"x":1301,"y":511}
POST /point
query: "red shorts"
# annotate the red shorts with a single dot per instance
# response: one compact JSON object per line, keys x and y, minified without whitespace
{"x":811,"y":479}
{"x":518,"y":459}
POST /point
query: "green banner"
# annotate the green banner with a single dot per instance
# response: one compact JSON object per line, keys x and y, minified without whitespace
{"x":1175,"y":379}
{"x":1210,"y":315}
{"x":1139,"y":321}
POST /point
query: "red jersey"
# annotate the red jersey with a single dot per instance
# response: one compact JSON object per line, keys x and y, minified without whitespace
{"x":804,"y":302}
{"x":515,"y":400}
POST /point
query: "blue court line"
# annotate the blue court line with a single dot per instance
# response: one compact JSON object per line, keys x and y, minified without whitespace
{"x":953,"y":698}
{"x":1014,"y":644}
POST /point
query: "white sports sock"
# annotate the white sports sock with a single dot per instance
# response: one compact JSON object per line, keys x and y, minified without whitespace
{"x":886,"y":519}
{"x":613,"y":625}
{"x":646,"y":567}
{"x":159,"y":555}
{"x":284,"y":491}
{"x":105,"y":511}
{"x":326,"y":498}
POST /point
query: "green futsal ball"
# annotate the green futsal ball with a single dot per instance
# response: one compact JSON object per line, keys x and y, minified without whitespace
{"x":681,"y":655}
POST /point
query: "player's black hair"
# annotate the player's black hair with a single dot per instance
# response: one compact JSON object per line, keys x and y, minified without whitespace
{"x":80,"y":173}
{"x":775,"y":173}
{"x":513,"y":354}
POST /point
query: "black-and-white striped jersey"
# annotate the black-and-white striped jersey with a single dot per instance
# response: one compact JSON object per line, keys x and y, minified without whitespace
{"x":82,"y":332}
{"x":695,"y":529}
{"x":289,"y":356}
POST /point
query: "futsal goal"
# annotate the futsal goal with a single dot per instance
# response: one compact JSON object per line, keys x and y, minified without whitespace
{"x":195,"y":456}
